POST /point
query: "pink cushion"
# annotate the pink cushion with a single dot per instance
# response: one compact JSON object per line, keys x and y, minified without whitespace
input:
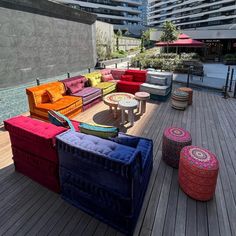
{"x":106,"y":78}
{"x":126,"y":78}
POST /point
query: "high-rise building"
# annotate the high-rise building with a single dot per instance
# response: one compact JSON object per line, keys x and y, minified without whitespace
{"x":123,"y":14}
{"x":211,"y":21}
{"x":193,"y":13}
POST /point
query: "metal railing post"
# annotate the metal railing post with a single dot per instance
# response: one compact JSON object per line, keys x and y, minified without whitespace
{"x":37,"y":81}
{"x":226,"y":83}
{"x":231,"y":80}
{"x":127,"y":65}
{"x":89,"y":69}
{"x":234,"y":90}
{"x":115,"y":65}
{"x":188,"y":77}
{"x":68,"y":74}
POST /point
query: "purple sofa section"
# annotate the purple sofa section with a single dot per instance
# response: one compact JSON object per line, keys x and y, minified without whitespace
{"x":74,"y":84}
{"x":89,"y":95}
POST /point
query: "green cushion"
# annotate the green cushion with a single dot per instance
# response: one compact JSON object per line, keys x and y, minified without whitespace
{"x":99,"y":130}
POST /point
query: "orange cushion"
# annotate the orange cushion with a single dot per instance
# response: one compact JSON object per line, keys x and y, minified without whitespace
{"x":54,"y":94}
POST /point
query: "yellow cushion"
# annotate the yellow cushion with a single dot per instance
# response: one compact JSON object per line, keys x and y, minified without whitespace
{"x":54,"y":94}
{"x":104,"y":85}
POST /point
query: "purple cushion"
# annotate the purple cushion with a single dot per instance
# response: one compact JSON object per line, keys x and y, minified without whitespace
{"x":100,"y":146}
{"x":74,"y":84}
{"x":88,"y":94}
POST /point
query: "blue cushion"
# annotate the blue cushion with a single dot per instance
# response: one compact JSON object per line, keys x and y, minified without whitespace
{"x":99,"y":130}
{"x":127,"y":140}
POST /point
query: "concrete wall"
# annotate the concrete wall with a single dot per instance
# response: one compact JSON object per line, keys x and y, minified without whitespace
{"x":126,"y":43}
{"x":41,"y":39}
{"x":104,"y":38}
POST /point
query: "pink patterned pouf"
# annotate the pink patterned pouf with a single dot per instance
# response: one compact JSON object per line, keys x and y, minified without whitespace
{"x":198,"y":171}
{"x":174,"y":139}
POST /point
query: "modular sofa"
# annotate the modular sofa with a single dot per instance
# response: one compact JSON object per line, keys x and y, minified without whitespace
{"x":95,"y":80}
{"x":40,"y":102}
{"x":131,"y":80}
{"x":33,"y":148}
{"x":76,"y":86}
{"x":108,"y":179}
{"x":158,"y":84}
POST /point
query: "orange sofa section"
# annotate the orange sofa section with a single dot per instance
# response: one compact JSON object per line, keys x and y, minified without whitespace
{"x":40,"y":102}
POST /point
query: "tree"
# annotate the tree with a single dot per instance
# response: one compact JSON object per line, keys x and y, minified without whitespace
{"x":169,"y":33}
{"x":145,"y":39}
{"x":118,"y":36}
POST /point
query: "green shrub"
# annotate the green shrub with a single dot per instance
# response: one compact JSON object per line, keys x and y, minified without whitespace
{"x":119,"y":54}
{"x":229,"y":57}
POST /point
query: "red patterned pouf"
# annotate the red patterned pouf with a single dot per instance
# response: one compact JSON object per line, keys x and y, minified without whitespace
{"x":198,"y":170}
{"x":174,"y":139}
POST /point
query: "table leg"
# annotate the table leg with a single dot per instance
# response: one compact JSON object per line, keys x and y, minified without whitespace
{"x":138,"y":108}
{"x":122,"y":116}
{"x":131,"y":117}
{"x":115,"y":112}
{"x":143,"y":107}
{"x":110,"y":108}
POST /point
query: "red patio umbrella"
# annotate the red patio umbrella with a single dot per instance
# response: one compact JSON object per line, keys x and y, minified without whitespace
{"x":182,"y":41}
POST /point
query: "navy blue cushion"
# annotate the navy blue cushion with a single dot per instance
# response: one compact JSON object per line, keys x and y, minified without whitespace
{"x":127,"y":140}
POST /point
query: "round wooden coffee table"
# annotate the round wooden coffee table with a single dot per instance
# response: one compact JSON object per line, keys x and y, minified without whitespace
{"x":142,"y":97}
{"x":113,"y":99}
{"x":129,"y":105}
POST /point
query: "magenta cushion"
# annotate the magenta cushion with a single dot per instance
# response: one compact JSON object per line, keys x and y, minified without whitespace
{"x":126,"y":78}
{"x":106,"y":78}
{"x":74,"y":84}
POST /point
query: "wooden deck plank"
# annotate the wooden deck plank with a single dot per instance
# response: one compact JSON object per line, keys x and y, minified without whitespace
{"x":29,"y":209}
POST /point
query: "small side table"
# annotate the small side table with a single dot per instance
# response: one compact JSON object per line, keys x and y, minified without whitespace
{"x":190,"y":94}
{"x":142,"y":97}
{"x":130,"y":105}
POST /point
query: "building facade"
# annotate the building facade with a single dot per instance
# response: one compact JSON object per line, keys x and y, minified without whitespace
{"x":190,"y":14}
{"x":123,"y":14}
{"x":211,"y":21}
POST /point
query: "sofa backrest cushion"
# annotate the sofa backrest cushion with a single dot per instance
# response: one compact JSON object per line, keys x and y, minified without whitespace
{"x":127,"y":140}
{"x":127,"y":78}
{"x":101,"y":131}
{"x":58,"y":119}
{"x":154,"y":77}
{"x":94,"y":78}
{"x":74,"y":84}
{"x":106,"y":78}
{"x":54,"y":94}
{"x":139,"y":75}
{"x":157,"y":80}
{"x":105,"y":71}
{"x":38,"y":94}
{"x":117,"y":73}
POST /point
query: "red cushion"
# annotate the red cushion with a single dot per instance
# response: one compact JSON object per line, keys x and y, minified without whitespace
{"x":128,"y":87}
{"x":138,"y":75}
{"x":74,"y":84}
{"x":33,"y":136}
{"x":75,"y":87}
{"x":106,"y":78}
{"x":126,"y":78}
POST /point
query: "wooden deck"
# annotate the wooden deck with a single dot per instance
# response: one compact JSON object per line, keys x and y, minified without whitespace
{"x":26,"y":208}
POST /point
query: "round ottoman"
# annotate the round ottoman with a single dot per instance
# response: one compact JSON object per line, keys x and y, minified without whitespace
{"x":174,"y":139}
{"x":179,"y":100}
{"x":198,"y":170}
{"x":142,"y":97}
{"x":190,"y":94}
